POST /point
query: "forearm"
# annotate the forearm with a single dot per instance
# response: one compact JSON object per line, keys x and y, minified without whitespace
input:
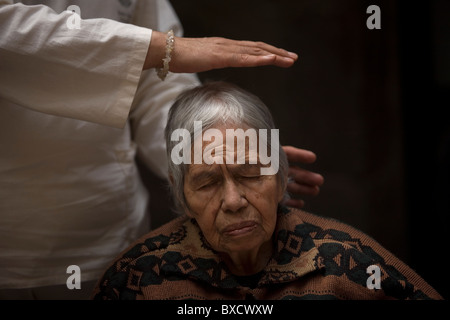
{"x":192,"y":55}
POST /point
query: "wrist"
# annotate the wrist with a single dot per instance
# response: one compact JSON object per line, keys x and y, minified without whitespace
{"x":170,"y":42}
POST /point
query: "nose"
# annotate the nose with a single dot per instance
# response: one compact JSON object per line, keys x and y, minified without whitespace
{"x":233,"y":197}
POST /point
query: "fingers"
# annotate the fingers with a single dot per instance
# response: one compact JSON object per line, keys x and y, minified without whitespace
{"x":299,"y":155}
{"x":235,"y":53}
{"x":303,"y":189}
{"x":259,"y":48}
{"x":305,"y":177}
{"x":253,"y":54}
{"x":302,"y":183}
{"x":294,"y":203}
{"x":247,"y":60}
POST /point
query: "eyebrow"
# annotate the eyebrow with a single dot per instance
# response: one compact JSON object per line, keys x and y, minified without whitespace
{"x":203,"y":175}
{"x":242,"y":168}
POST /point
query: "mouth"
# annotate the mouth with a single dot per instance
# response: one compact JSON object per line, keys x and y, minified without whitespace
{"x":241,"y":228}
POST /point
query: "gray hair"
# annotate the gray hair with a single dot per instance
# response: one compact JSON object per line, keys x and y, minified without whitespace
{"x":215,"y":103}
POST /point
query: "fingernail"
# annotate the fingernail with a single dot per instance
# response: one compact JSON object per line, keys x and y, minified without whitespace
{"x":293,"y":55}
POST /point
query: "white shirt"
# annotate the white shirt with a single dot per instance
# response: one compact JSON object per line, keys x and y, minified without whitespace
{"x":75,"y":110}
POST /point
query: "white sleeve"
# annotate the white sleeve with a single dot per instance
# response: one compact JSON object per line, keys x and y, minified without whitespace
{"x":90,"y":73}
{"x":149,"y":116}
{"x":155,"y":97}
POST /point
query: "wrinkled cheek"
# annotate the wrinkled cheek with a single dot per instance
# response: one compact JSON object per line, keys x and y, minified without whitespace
{"x":216,"y":242}
{"x":197,"y":204}
{"x":212,"y":237}
{"x":270,"y":229}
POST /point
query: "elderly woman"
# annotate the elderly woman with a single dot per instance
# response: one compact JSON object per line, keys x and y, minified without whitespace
{"x":234,"y":238}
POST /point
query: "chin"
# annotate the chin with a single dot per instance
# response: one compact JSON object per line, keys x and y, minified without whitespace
{"x":244,"y":243}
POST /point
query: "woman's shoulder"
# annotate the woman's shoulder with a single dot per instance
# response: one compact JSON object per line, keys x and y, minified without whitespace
{"x":346,"y":250}
{"x":336,"y":239}
{"x":324,"y":227}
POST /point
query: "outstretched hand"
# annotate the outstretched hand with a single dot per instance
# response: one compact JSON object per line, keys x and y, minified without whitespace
{"x":192,"y":55}
{"x":301,"y":182}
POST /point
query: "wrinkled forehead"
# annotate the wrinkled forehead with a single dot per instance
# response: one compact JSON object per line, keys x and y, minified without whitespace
{"x":233,"y":144}
{"x":227,"y":145}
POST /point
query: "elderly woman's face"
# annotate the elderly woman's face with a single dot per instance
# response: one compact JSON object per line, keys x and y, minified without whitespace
{"x":234,"y":205}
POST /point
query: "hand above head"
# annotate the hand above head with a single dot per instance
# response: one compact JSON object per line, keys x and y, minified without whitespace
{"x":192,"y":55}
{"x":302,"y":182}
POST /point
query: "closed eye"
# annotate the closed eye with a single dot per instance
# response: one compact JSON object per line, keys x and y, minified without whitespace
{"x":207,"y":184}
{"x":249,"y":177}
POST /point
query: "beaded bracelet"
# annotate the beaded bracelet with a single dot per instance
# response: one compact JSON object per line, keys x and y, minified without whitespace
{"x":170,"y":41}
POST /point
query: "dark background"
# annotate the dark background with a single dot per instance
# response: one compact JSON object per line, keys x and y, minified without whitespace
{"x":369,"y":103}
